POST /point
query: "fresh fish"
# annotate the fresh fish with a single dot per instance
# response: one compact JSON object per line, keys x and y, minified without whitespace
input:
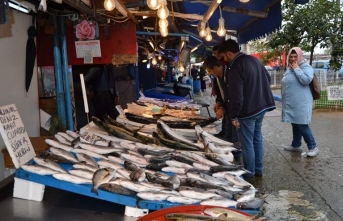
{"x":202,"y":185}
{"x":138,"y":175}
{"x":62,"y":140}
{"x":217,"y":159}
{"x":174,"y":163}
{"x":135,"y":158}
{"x":196,"y":193}
{"x":174,"y":170}
{"x":182,"y":199}
{"x":66,"y":136}
{"x":225,"y":194}
{"x":201,"y":133}
{"x":102,"y":176}
{"x":144,"y":152}
{"x":195,"y":170}
{"x":195,"y":175}
{"x":172,"y":143}
{"x":134,"y":152}
{"x":245,"y":196}
{"x":114,"y":130}
{"x":183,"y":159}
{"x":113,"y":122}
{"x":172,"y":182}
{"x":188,"y":217}
{"x":135,"y":187}
{"x":58,"y":145}
{"x":97,"y":149}
{"x":156,"y":187}
{"x":156,"y":167}
{"x":86,"y":158}
{"x":161,"y":125}
{"x":219,"y":201}
{"x":82,"y":173}
{"x":237,"y":181}
{"x":84,"y":166}
{"x":215,"y":169}
{"x":38,"y":169}
{"x":152,"y":147}
{"x":109,"y":138}
{"x":159,"y":159}
{"x":255,"y":203}
{"x":202,"y":160}
{"x":115,"y":188}
{"x":214,"y":180}
{"x":128,"y":145}
{"x":201,"y":166}
{"x":237,"y":172}
{"x":116,"y":159}
{"x":161,"y":175}
{"x":71,"y":178}
{"x":72,"y":134}
{"x":64,"y":154}
{"x":124,"y":172}
{"x":54,"y":157}
{"x":109,"y":164}
{"x":156,"y":196}
{"x":144,"y":137}
{"x":90,"y":153}
{"x":130,"y":166}
{"x":49,"y":163}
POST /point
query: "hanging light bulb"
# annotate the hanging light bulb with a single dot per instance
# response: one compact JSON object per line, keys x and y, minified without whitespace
{"x":154,"y":4}
{"x":164,"y":32}
{"x":221,"y":29}
{"x":154,"y":61}
{"x":163,"y":23}
{"x":109,"y":5}
{"x":209,"y":35}
{"x":159,"y":56}
{"x":244,"y":1}
{"x":163,"y":11}
{"x":181,"y":68}
{"x":148,"y":65}
{"x":202,"y":32}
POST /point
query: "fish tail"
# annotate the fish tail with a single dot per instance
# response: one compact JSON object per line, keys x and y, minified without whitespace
{"x":94,"y":190}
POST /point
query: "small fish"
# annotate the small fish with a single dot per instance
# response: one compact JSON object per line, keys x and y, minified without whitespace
{"x":49,"y":163}
{"x":202,"y":160}
{"x":73,"y":134}
{"x":124,"y":172}
{"x":240,"y":183}
{"x":156,"y":196}
{"x":109,"y":164}
{"x":174,"y":170}
{"x":84,"y":166}
{"x":138,"y":175}
{"x":219,"y":201}
{"x":38,"y":169}
{"x":135,"y":187}
{"x":182,"y":199}
{"x":82,"y":173}
{"x":233,"y":167}
{"x":156,"y":167}
{"x":245,"y":196}
{"x":71,"y":178}
{"x":130,"y":166}
{"x":174,"y":163}
{"x":86,"y":158}
{"x":115,"y":188}
{"x":62,"y":140}
{"x":102,"y":176}
{"x":128,"y":145}
{"x":135,"y":158}
{"x":54,"y":157}
{"x":56,"y":144}
{"x":97,"y":149}
{"x":66,"y":136}
{"x":116,"y":159}
{"x":255,"y":203}
{"x":63,"y":153}
{"x":90,"y":153}
{"x":196,"y":193}
{"x":201,"y":166}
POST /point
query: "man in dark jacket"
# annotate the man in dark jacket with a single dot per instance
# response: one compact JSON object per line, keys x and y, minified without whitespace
{"x":250,"y":98}
{"x":101,"y":84}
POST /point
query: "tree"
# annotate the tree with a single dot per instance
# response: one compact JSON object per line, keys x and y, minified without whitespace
{"x":309,"y":25}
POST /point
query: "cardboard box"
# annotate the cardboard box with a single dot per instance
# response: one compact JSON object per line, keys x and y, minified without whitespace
{"x":38,"y":144}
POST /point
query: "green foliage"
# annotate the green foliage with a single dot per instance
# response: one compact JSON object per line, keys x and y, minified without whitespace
{"x":318,"y":23}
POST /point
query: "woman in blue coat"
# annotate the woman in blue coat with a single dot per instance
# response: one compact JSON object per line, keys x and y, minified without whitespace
{"x":297,"y":101}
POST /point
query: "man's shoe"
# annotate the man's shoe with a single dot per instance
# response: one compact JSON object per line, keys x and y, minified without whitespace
{"x":293,"y":149}
{"x":313,"y":152}
{"x":250,"y":180}
{"x":258,"y":174}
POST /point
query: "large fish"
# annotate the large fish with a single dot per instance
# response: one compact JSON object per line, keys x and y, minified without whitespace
{"x":182,"y":199}
{"x":219,"y":201}
{"x":63,"y":153}
{"x":124,"y":172}
{"x":62,"y":140}
{"x":215,"y":169}
{"x":237,"y":181}
{"x":227,"y":213}
{"x":72,"y":134}
{"x":49,"y":163}
{"x":109,"y":164}
{"x":102,"y":176}
{"x":162,"y":141}
{"x":130,"y":166}
{"x":172,"y":182}
{"x":196,"y":193}
{"x":174,"y":163}
{"x":98,"y":149}
{"x":87,"y":159}
{"x":155,"y":196}
{"x":115,"y":188}
{"x":56,"y":144}
{"x":202,"y":160}
{"x":90,"y":153}
{"x":82,"y":173}
{"x":84,"y":166}
{"x":71,"y":178}
{"x":54,"y":157}
{"x":156,"y":167}
{"x":202,"y":185}
{"x":38,"y":169}
{"x":217,"y":159}
{"x":113,"y":122}
{"x":135,"y":158}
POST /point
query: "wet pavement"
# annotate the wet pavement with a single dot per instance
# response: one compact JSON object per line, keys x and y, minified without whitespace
{"x":296,"y":187}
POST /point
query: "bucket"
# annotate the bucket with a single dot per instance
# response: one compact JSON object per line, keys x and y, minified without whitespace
{"x":196,"y":86}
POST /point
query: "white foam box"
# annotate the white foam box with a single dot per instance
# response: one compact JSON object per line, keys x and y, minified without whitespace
{"x":28,"y":190}
{"x":135,"y":212}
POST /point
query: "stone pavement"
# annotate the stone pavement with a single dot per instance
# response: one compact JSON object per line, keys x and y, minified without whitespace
{"x":294,"y":187}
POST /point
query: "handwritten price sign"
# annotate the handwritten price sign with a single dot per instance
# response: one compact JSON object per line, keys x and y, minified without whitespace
{"x":335,"y":93}
{"x":14,"y":135}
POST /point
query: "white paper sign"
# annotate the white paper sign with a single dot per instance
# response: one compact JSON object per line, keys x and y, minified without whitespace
{"x":14,"y":135}
{"x":82,"y":46}
{"x":335,"y":93}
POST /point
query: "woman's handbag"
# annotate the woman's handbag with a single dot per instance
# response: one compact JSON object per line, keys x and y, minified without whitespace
{"x":315,"y":88}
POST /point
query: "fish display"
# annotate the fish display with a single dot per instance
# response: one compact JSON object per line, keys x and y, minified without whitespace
{"x":173,"y":169}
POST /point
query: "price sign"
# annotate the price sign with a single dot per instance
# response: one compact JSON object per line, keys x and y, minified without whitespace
{"x":335,"y":92}
{"x":14,"y":135}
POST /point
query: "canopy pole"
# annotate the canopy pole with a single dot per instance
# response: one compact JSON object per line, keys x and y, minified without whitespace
{"x":58,"y":77}
{"x":66,"y":77}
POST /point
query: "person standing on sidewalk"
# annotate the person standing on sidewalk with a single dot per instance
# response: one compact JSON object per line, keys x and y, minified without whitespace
{"x":297,"y":101}
{"x":250,"y":98}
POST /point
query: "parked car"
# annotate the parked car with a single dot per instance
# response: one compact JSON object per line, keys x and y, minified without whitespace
{"x":325,"y":65}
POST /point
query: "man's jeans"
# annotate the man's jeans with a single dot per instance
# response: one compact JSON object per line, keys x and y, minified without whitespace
{"x":250,"y":136}
{"x":303,"y":130}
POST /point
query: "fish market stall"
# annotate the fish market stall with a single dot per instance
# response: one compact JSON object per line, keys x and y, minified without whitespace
{"x":144,"y":172}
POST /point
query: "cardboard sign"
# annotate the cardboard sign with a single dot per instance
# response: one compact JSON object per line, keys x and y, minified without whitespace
{"x":335,"y":93}
{"x":14,"y":135}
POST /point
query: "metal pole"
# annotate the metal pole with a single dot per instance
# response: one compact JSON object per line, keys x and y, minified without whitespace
{"x":58,"y":77}
{"x":67,"y":95}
